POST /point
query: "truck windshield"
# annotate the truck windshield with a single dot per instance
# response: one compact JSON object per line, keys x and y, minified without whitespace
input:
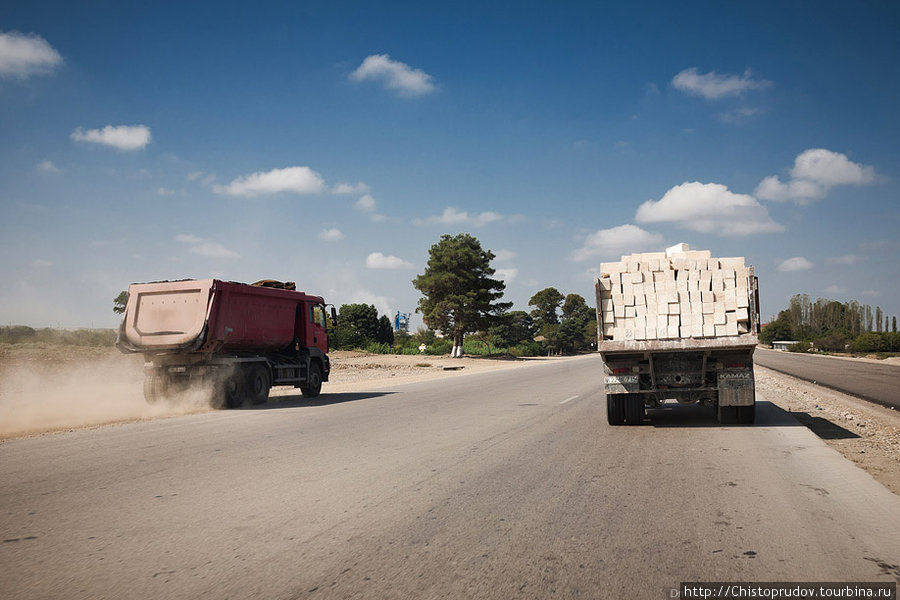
{"x":317,"y":314}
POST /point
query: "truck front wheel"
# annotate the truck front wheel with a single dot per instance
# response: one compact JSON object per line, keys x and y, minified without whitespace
{"x":313,"y":382}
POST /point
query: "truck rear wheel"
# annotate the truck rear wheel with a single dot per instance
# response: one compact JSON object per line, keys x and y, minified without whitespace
{"x":257,"y":382}
{"x":230,"y":388}
{"x":154,"y":388}
{"x":313,"y":382}
{"x":615,"y":408}
{"x":634,"y":409}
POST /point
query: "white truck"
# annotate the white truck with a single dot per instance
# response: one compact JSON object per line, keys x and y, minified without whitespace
{"x":678,"y":325}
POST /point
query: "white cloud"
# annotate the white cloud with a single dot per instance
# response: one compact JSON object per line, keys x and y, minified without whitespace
{"x":204,"y":247}
{"x":870,"y":293}
{"x":23,"y":55}
{"x":47,"y":167}
{"x":122,"y":137}
{"x":797,"y":263}
{"x":713,"y":86}
{"x":41,"y":263}
{"x":347,"y":189}
{"x":296,"y":180}
{"x":830,"y":168}
{"x":365,"y":204}
{"x":377,"y":260}
{"x":331,"y":235}
{"x":506,"y":275}
{"x":164,"y":192}
{"x":397,"y":76}
{"x":835,"y":289}
{"x":815,"y":172}
{"x":616,"y":240}
{"x":453,"y":216}
{"x":709,"y":208}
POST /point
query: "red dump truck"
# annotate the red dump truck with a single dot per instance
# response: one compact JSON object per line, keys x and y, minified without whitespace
{"x":239,"y":338}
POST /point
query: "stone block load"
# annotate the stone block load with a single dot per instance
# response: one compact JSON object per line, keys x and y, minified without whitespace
{"x":672,"y":295}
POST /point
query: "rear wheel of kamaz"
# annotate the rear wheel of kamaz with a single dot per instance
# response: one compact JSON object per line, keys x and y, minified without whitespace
{"x":634,"y":409}
{"x":615,"y":409}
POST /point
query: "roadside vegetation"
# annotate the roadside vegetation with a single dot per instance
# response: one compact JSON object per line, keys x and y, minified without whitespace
{"x":829,"y":326}
{"x":461,"y":299}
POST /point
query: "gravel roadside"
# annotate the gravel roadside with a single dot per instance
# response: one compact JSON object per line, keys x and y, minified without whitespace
{"x":867,"y":434}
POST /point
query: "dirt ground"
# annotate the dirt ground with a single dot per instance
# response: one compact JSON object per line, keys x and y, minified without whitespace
{"x":44,"y":389}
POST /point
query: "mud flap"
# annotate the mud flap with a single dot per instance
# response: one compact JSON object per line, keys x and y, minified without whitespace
{"x":736,"y":387}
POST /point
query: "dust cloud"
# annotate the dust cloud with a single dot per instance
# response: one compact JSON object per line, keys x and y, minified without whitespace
{"x":37,"y":397}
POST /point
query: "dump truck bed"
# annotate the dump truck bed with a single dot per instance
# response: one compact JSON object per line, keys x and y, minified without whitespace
{"x":210,"y":315}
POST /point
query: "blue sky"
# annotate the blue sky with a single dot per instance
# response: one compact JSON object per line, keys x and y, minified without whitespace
{"x":333,"y":143}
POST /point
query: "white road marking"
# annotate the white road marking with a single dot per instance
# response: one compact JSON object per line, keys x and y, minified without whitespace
{"x":568,"y":399}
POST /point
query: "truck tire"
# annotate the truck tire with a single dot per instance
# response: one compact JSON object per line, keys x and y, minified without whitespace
{"x":257,"y":384}
{"x":615,"y":409}
{"x":154,"y":388}
{"x":230,"y":389}
{"x":746,"y":414}
{"x":634,"y":409}
{"x":313,"y":382}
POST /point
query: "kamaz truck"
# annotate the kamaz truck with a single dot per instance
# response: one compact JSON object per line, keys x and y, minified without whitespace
{"x":678,"y":325}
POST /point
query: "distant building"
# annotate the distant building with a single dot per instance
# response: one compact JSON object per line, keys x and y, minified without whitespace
{"x":401,"y":322}
{"x":783,"y":344}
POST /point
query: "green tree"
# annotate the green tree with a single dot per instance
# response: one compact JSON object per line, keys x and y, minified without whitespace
{"x":459,"y":295}
{"x":357,"y":326}
{"x":513,"y":328}
{"x":119,"y":302}
{"x":779,"y":329}
{"x":546,"y":303}
{"x":385,"y":331}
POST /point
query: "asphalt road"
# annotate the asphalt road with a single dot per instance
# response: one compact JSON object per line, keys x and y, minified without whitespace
{"x":494,"y":485}
{"x":876,"y":382}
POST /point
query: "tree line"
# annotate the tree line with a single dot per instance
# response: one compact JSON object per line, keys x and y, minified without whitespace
{"x":462,"y":300}
{"x":832,"y":326}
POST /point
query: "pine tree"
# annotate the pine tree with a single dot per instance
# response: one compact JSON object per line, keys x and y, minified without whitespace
{"x":459,"y":294}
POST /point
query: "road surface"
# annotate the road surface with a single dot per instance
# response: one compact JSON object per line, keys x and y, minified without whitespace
{"x":501,"y":485}
{"x":872,"y":381}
